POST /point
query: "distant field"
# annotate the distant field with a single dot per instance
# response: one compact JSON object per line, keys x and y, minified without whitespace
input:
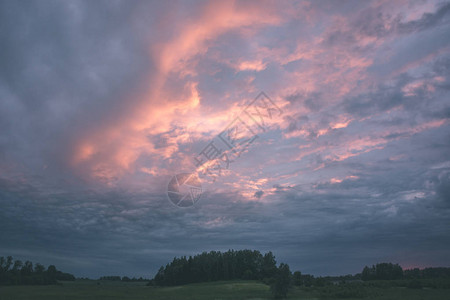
{"x":90,"y":289}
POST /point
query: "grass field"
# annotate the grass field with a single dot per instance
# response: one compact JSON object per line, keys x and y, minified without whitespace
{"x":90,"y":289}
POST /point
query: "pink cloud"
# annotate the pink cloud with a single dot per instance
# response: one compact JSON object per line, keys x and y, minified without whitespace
{"x":113,"y":147}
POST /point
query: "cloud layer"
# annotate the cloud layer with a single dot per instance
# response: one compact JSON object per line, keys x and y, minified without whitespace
{"x":102,"y":103}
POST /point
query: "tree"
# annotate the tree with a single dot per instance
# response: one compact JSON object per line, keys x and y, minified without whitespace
{"x":25,"y":273}
{"x":27,"y":268}
{"x":17,"y":266}
{"x":51,"y":273}
{"x":2,"y":264}
{"x":38,"y":268}
{"x":215,"y":265}
{"x":307,"y":280}
{"x":368,"y":273}
{"x":282,"y":282}
{"x":9,"y":261}
{"x":382,"y":271}
{"x":320,"y":281}
{"x":297,"y":278}
{"x":159,"y":277}
{"x":269,"y":266}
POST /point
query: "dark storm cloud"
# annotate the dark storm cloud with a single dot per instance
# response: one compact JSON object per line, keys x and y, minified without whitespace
{"x":64,"y":67}
{"x":380,"y":210}
{"x":96,"y":227}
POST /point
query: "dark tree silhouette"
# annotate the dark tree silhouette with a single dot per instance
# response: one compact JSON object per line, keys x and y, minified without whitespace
{"x":297,"y":278}
{"x":382,"y":271}
{"x":21,"y":273}
{"x":282,"y":282}
{"x":212,"y":266}
{"x":269,"y":266}
{"x":427,"y":273}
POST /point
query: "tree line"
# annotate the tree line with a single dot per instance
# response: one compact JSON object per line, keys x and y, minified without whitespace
{"x":124,"y":279}
{"x":15,"y":272}
{"x":252,"y":265}
{"x":427,"y":273}
{"x":382,"y":271}
{"x":389,"y":271}
{"x":230,"y":265}
{"x":215,"y":265}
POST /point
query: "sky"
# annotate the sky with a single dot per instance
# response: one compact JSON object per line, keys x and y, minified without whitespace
{"x":342,"y":161}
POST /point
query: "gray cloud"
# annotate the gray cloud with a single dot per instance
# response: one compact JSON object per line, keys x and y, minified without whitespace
{"x":428,"y":20}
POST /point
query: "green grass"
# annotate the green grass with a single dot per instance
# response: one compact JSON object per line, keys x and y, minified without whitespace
{"x":222,"y":290}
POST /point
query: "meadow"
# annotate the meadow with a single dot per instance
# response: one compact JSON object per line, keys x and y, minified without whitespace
{"x":220,"y":290}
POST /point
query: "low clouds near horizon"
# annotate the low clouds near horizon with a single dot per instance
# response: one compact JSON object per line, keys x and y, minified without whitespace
{"x":101,"y":103}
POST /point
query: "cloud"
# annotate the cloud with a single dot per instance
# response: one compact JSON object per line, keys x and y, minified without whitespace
{"x":102,"y":103}
{"x":428,"y":20}
{"x":258,"y":194}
